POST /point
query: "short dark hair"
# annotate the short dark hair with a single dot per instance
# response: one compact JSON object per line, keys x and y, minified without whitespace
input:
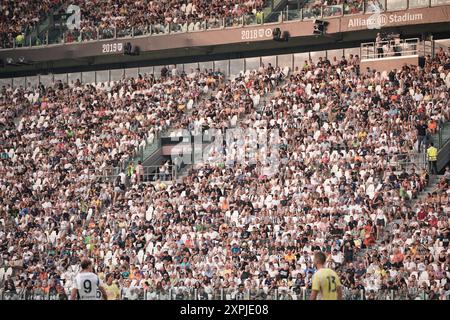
{"x":320,"y":257}
{"x":85,"y":263}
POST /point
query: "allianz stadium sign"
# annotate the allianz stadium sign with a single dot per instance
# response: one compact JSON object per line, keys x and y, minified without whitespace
{"x":378,"y":20}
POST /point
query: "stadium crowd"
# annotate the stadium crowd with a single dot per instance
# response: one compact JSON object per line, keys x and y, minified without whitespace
{"x":342,"y":176}
{"x":158,"y":16}
{"x":105,"y":19}
{"x":315,"y":8}
{"x":18,"y":17}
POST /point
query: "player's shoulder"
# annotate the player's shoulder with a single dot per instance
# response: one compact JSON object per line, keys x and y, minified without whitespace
{"x":318,"y":274}
{"x":323,"y":272}
{"x":329,"y":270}
{"x":93,"y":275}
{"x":333,"y":273}
{"x":86,"y":275}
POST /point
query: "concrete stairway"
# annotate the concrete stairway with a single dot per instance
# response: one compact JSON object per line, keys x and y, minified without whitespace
{"x":444,"y":135}
{"x":388,"y":231}
{"x":432,"y":183}
{"x":262,"y":102}
{"x":273,"y":8}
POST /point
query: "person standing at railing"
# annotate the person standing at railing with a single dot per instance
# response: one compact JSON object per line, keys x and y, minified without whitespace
{"x":379,"y":45}
{"x":397,"y":46}
{"x":164,"y":171}
{"x":140,"y":172}
{"x":259,"y":17}
{"x":130,"y":169}
{"x":432,"y":153}
{"x":20,"y":40}
{"x":432,"y":126}
{"x":421,"y":134}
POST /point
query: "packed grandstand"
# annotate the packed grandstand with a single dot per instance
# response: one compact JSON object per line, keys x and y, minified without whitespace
{"x":350,"y":178}
{"x":109,"y":19}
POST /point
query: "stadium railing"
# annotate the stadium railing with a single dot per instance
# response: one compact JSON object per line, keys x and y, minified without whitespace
{"x":404,"y":160}
{"x":295,"y":293}
{"x":151,"y":174}
{"x":151,"y":144}
{"x":391,"y":48}
{"x":443,"y":134}
{"x":305,"y":13}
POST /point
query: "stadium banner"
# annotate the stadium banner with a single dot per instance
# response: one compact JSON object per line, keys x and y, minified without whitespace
{"x":378,"y":20}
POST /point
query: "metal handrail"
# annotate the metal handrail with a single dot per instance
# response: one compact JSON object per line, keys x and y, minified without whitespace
{"x":403,"y":159}
{"x":142,"y":153}
{"x":401,"y":48}
{"x":151,"y":173}
{"x":441,"y":141}
{"x":293,"y":293}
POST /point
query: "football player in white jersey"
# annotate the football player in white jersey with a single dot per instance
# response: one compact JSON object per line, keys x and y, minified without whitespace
{"x":87,"y":284}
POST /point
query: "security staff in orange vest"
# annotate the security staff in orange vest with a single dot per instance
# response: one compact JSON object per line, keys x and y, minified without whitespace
{"x":432,"y":153}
